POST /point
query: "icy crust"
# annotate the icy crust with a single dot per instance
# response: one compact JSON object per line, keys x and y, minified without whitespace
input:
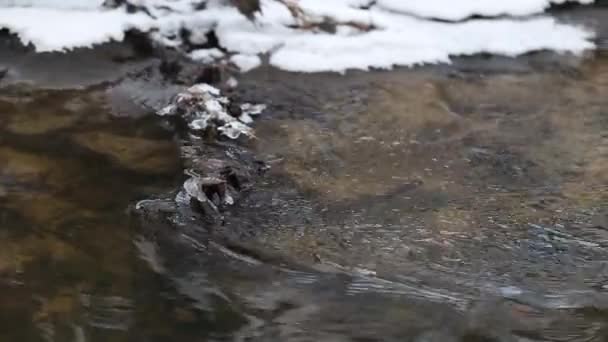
{"x":203,"y":107}
{"x":332,"y":35}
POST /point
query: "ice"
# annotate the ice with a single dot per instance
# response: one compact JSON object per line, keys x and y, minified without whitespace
{"x":202,"y":107}
{"x":251,"y":109}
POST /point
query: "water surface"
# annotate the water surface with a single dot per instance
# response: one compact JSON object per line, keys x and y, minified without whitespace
{"x":69,"y":270}
{"x":462,"y":203}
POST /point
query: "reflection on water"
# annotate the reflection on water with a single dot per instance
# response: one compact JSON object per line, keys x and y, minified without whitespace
{"x":68,"y":267}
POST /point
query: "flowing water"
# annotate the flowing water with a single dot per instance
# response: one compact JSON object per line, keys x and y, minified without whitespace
{"x":461,"y":203}
{"x":68,"y":269}
{"x":426,"y":205}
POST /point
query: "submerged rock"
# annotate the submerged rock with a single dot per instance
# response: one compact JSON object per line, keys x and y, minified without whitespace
{"x":48,"y":211}
{"x":38,"y":123}
{"x":22,"y":170}
{"x":136,"y":154}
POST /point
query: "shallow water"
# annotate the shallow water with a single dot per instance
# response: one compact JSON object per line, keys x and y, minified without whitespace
{"x":463,"y":203}
{"x":69,"y":270}
{"x":415,"y":205}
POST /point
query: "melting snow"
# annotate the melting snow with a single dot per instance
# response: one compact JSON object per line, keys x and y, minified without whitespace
{"x":365,"y":34}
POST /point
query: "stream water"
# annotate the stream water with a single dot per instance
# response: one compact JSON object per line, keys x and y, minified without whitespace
{"x":68,"y":269}
{"x":460,"y":203}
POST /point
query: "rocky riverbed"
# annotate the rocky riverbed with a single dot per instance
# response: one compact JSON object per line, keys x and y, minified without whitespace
{"x":449,"y":188}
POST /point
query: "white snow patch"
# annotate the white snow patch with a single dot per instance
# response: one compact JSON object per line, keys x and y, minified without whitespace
{"x":246,"y":62}
{"x":206,"y":55}
{"x":395,"y":38}
{"x":433,"y":42}
{"x":462,"y":9}
{"x":54,"y":29}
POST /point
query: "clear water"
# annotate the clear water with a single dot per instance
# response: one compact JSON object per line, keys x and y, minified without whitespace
{"x":419,"y":206}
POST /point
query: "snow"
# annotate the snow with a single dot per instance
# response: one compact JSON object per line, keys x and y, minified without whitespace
{"x":206,"y":55}
{"x":433,"y":42}
{"x":462,"y":9}
{"x":332,"y":9}
{"x":246,"y":62}
{"x":379,"y":34}
{"x":399,"y":40}
{"x":51,"y":29}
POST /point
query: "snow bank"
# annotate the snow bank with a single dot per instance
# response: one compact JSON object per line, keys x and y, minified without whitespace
{"x":246,"y":62}
{"x":462,"y":9}
{"x":50,"y":29}
{"x":364,"y":34}
{"x":396,"y":40}
{"x":433,"y":43}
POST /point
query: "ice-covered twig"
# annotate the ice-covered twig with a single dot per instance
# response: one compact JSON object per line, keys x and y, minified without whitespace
{"x":203,"y":107}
